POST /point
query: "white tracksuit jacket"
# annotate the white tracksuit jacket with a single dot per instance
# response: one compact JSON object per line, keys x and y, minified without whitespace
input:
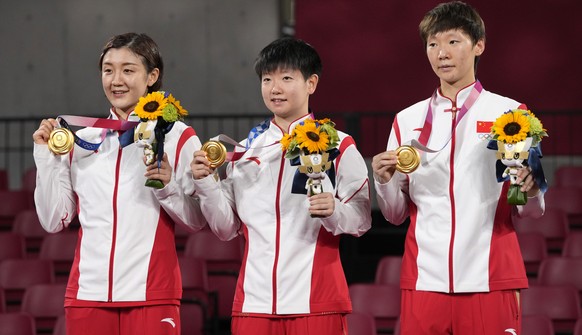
{"x":291,"y":263}
{"x":126,"y":253}
{"x":461,"y":237}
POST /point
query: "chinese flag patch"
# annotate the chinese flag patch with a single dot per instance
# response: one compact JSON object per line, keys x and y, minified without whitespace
{"x":484,"y":126}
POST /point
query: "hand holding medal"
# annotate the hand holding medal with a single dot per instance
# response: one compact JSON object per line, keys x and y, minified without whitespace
{"x":215,"y":153}
{"x":408,"y":159}
{"x":61,"y":141}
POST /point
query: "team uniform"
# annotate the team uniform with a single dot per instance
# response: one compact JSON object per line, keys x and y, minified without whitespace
{"x":126,"y":254}
{"x":291,"y":265}
{"x":461,"y":237}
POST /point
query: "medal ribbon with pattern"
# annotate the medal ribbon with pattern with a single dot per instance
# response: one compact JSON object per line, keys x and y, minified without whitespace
{"x":61,"y":139}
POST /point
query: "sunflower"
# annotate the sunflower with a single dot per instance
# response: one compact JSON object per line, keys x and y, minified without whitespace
{"x":285,"y":141}
{"x":511,"y":127}
{"x":151,"y":106}
{"x":176,"y":103}
{"x":310,"y":138}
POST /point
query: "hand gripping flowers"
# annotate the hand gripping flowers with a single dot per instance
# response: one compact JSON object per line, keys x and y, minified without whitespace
{"x":157,"y":111}
{"x":517,"y":134}
{"x":312,"y":145}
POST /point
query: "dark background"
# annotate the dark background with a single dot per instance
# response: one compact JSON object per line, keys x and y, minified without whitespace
{"x":374,"y":59}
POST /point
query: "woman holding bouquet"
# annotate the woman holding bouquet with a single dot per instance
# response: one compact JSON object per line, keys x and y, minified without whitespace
{"x":291,"y":280}
{"x":462,"y":268}
{"x":125,"y":277}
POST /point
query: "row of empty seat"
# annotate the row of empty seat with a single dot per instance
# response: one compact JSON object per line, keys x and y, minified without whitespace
{"x":42,"y":305}
{"x":209,"y":270}
{"x":22,"y":323}
{"x":559,"y":304}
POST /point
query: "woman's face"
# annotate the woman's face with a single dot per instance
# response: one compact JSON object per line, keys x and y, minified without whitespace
{"x":125,"y":79}
{"x":452,"y":57}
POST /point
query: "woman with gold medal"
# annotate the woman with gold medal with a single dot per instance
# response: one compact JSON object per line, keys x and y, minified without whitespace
{"x":462,"y":268}
{"x":125,"y":277}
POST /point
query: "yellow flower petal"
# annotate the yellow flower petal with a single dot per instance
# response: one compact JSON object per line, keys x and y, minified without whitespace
{"x":511,"y":127}
{"x":151,"y":106}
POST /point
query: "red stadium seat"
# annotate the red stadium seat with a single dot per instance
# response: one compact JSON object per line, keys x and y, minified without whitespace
{"x":361,"y":324}
{"x":533,"y":250}
{"x":388,"y":270}
{"x":17,"y":324}
{"x":568,"y":199}
{"x":553,"y":225}
{"x":537,"y":324}
{"x":60,"y":249}
{"x":11,"y":246}
{"x":60,"y":326}
{"x":573,"y":245}
{"x":181,"y":234}
{"x":12,"y":203}
{"x":192,"y":319}
{"x":223,"y":261}
{"x":221,"y":257}
{"x":195,"y":291}
{"x":45,"y":302}
{"x":560,"y":303}
{"x":558,"y":271}
{"x":27,"y":224}
{"x":380,"y":301}
{"x":18,"y":274}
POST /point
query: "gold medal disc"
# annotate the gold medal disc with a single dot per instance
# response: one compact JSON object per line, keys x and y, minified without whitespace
{"x":61,"y":141}
{"x":215,"y":153}
{"x":408,"y":159}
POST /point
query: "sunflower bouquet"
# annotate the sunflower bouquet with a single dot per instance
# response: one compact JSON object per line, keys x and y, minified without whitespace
{"x":518,"y":133}
{"x":312,"y":144}
{"x":157,"y":112}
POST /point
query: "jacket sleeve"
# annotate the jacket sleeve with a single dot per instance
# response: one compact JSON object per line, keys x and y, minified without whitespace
{"x":217,"y":204}
{"x":178,"y":198}
{"x":352,"y":214}
{"x":54,"y":198}
{"x":392,"y":196}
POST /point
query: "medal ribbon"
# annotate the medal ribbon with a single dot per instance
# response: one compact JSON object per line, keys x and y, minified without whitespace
{"x":233,"y":156}
{"x":253,"y":133}
{"x":427,"y":128}
{"x":125,"y":138}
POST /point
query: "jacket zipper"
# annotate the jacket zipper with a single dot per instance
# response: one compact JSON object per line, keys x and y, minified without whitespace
{"x":114,"y":232}
{"x":452,"y":196}
{"x":278,"y":232}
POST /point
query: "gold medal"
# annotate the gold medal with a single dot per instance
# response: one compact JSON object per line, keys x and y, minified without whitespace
{"x":215,"y":153}
{"x":61,"y":141}
{"x":408,"y":159}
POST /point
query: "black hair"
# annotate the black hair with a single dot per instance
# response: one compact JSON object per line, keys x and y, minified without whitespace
{"x":288,"y":53}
